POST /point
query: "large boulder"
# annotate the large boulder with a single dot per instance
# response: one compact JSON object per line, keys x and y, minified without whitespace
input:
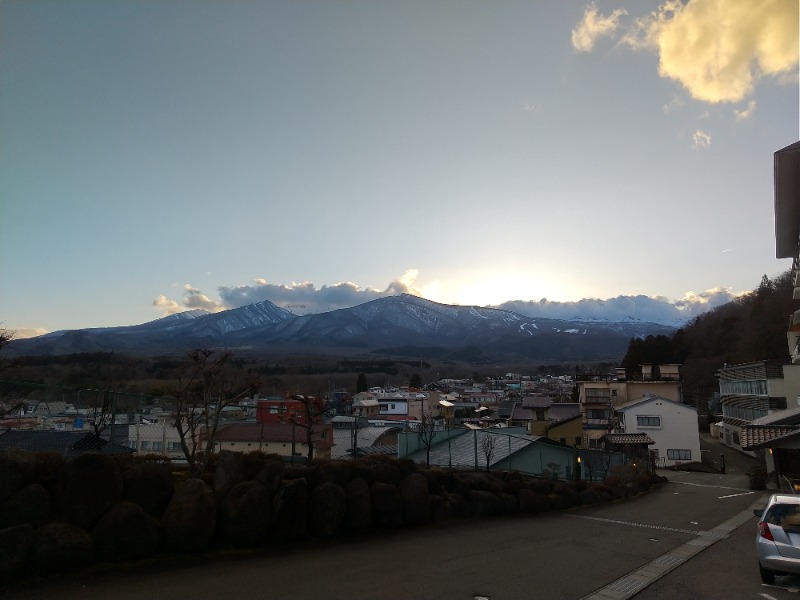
{"x":16,"y":470}
{"x":508,"y":504}
{"x":59,"y":547}
{"x":92,"y":485}
{"x":387,"y":505}
{"x":31,"y":504}
{"x":358,"y":517}
{"x":327,"y":509}
{"x":337,"y":472}
{"x":270,"y":475}
{"x":483,"y":503}
{"x":243,"y":515}
{"x":150,"y":485}
{"x":15,"y":543}
{"x":229,"y":471}
{"x":387,"y":472}
{"x":289,"y":508}
{"x":416,"y":499}
{"x":531,"y":501}
{"x":190,"y":518}
{"x":126,"y":532}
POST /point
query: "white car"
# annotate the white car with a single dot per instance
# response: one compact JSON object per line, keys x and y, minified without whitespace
{"x":778,"y":537}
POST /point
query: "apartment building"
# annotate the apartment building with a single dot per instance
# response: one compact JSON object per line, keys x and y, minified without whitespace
{"x":754,"y":390}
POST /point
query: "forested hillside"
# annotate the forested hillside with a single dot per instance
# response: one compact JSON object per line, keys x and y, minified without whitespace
{"x":751,"y":328}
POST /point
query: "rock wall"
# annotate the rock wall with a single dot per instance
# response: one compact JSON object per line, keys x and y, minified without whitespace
{"x":58,"y":515}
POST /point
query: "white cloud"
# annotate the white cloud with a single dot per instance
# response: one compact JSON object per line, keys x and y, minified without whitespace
{"x":673,"y":104}
{"x":28,"y":332}
{"x":746,"y":112}
{"x":192,"y":299}
{"x":594,"y":26}
{"x":718,"y":50}
{"x":701,"y":139}
{"x":167,"y":306}
{"x":306,"y":298}
{"x":641,"y":308}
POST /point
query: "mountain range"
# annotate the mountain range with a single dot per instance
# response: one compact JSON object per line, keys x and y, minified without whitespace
{"x":403,"y":326}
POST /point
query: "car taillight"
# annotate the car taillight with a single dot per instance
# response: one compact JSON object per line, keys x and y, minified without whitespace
{"x":763,"y":530}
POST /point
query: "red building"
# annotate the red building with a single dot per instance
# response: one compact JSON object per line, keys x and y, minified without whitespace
{"x":289,"y":410}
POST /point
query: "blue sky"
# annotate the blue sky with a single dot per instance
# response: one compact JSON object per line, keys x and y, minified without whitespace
{"x":158,"y":156}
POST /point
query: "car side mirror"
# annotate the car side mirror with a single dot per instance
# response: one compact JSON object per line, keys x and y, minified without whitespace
{"x":759,"y":512}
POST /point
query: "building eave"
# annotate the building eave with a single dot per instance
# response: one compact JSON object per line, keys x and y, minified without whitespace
{"x":787,"y":201}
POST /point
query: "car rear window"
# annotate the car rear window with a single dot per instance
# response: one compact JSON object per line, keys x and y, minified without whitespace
{"x":784,"y":515}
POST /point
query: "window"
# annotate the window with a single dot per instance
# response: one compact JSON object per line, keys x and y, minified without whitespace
{"x":578,"y":440}
{"x":645,"y":421}
{"x":156,"y":445}
{"x":679,"y":454}
{"x":145,"y":445}
{"x":597,"y":413}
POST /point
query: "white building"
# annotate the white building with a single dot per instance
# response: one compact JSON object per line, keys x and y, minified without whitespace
{"x":672,"y":425}
{"x":155,"y":438}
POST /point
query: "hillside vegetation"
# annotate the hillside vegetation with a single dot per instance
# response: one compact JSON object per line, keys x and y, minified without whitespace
{"x":751,"y":328}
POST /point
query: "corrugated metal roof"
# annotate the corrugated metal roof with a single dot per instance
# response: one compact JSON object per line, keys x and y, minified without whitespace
{"x":367,"y":437}
{"x":461,"y":449}
{"x":790,"y":416}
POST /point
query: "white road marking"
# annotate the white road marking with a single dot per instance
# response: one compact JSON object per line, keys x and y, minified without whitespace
{"x":734,"y":495}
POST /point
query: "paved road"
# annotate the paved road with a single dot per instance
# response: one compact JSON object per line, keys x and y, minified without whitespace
{"x":686,"y":538}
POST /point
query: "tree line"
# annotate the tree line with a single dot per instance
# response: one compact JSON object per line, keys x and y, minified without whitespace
{"x":748,"y":329}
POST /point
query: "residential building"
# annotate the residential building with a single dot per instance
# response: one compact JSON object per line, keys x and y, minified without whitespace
{"x":671,"y":426}
{"x":753,"y":390}
{"x":599,"y":396}
{"x":294,"y":409}
{"x":365,"y":404}
{"x":285,"y":439}
{"x":160,"y":437}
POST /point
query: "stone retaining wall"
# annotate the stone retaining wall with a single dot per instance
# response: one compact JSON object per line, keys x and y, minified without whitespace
{"x":57,"y":514}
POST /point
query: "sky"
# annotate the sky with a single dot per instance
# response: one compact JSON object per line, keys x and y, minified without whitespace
{"x":163,"y":156}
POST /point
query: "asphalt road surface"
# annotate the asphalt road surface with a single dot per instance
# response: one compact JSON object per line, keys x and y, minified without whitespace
{"x":691,"y":537}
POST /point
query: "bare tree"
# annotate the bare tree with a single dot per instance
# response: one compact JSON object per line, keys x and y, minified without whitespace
{"x":6,"y":337}
{"x":553,"y":470}
{"x":308,"y":421}
{"x":427,"y":431}
{"x":204,"y":390}
{"x":488,"y":443}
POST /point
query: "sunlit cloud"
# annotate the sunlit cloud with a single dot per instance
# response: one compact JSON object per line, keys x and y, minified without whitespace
{"x":594,"y":26}
{"x":746,"y":112}
{"x":701,"y":139}
{"x":307,"y":298}
{"x":673,"y":105}
{"x":193,"y":299}
{"x":718,"y":50}
{"x":28,"y":332}
{"x":650,"y":309}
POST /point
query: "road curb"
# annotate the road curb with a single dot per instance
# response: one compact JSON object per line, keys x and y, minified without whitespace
{"x":634,"y":582}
